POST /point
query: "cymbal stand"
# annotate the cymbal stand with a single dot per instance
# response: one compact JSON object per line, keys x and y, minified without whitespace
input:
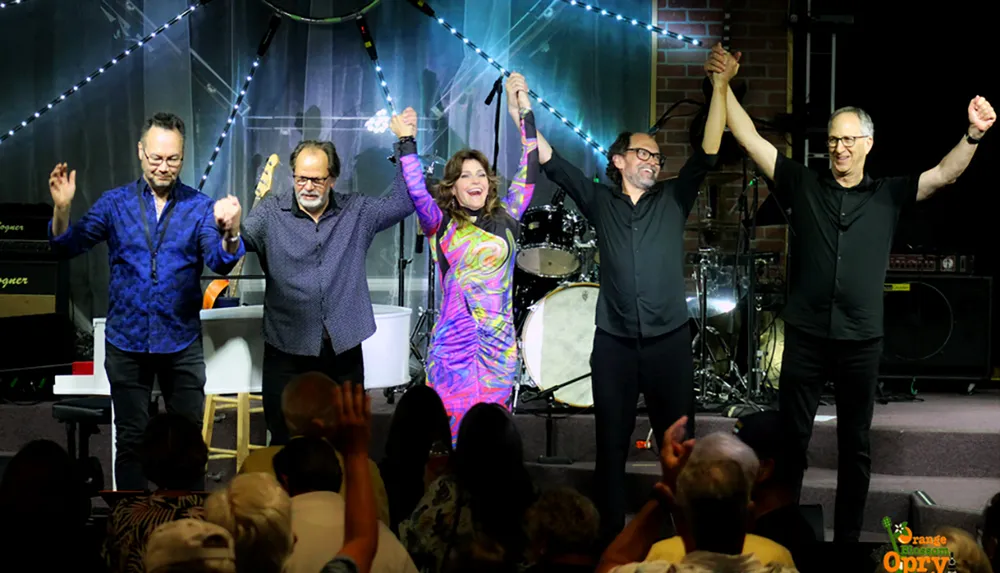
{"x":705,"y":375}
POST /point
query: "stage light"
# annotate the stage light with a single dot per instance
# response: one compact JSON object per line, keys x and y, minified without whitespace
{"x":378,"y":123}
{"x":426,"y":9}
{"x":265,"y":43}
{"x":634,"y":22}
{"x":96,"y":73}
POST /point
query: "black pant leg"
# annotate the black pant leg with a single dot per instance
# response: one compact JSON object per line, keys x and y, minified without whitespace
{"x":348,"y":366}
{"x":855,"y":383}
{"x":131,"y":377}
{"x":278,"y":370}
{"x":804,"y":370}
{"x":666,"y":379}
{"x":182,"y":381}
{"x":614,"y":378}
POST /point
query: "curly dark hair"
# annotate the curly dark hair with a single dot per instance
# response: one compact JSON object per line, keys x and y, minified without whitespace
{"x":173,"y":452}
{"x":443,"y":192}
{"x":617,"y":148}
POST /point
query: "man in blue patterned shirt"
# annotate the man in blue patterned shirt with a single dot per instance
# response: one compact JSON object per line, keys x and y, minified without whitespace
{"x":160,"y":234}
{"x":312,"y":245}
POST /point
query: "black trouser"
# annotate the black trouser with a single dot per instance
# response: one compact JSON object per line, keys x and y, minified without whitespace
{"x":280,"y":367}
{"x":181,"y":376}
{"x":661,"y":368}
{"x":806,"y":364}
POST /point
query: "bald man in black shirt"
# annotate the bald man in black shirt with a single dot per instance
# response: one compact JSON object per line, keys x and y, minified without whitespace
{"x":843,"y":222}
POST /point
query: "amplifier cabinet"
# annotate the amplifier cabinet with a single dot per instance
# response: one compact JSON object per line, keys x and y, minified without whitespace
{"x":937,"y":326}
{"x":33,"y":287}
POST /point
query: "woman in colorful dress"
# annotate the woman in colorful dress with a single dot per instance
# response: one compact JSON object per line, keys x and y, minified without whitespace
{"x":472,"y":356}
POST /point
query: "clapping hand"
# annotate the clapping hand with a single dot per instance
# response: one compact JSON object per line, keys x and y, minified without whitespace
{"x":981,"y":116}
{"x":62,"y":186}
{"x":227,"y":215}
{"x":404,"y":124}
{"x":674,"y":452}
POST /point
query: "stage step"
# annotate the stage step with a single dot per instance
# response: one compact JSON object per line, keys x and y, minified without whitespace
{"x":943,"y":437}
{"x":957,"y":500}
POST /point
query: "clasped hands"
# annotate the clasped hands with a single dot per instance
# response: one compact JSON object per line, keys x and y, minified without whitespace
{"x":227,"y":215}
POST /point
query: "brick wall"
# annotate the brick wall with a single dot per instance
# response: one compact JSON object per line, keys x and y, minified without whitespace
{"x":761,"y":34}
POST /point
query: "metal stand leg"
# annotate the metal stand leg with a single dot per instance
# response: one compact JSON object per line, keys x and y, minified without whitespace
{"x":550,"y":457}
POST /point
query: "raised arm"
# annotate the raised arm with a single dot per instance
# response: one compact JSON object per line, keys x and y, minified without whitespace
{"x":93,"y":228}
{"x":760,"y":150}
{"x":523,"y":186}
{"x":218,"y":237}
{"x":429,"y":214}
{"x":981,"y":118}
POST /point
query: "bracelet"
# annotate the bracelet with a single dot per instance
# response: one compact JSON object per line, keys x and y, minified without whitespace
{"x":406,"y":138}
{"x":233,"y":239}
{"x":971,"y":140}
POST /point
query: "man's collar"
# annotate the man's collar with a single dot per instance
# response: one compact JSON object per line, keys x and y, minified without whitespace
{"x":143,"y":186}
{"x":298,"y":211}
{"x":865,"y":182}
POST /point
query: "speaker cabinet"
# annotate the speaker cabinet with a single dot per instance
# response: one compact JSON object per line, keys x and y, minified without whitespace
{"x":937,"y":327}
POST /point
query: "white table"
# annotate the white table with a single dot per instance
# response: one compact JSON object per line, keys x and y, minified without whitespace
{"x":234,"y":355}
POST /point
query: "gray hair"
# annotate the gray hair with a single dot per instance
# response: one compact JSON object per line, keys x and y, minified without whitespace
{"x":867,"y":125}
{"x":327,"y":147}
{"x":724,"y":446}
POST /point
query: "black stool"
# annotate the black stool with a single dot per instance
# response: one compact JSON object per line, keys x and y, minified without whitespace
{"x":85,"y":414}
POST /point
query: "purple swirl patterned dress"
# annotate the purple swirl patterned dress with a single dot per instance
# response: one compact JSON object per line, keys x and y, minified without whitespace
{"x":472,"y":356}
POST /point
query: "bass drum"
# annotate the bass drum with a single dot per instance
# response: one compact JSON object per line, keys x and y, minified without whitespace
{"x":557,"y":340}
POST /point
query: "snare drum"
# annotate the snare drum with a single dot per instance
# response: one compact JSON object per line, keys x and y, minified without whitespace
{"x":557,"y":340}
{"x":547,"y":247}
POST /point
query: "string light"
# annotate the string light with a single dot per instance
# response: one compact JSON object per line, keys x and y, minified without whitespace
{"x":5,"y":4}
{"x":586,"y":137}
{"x":369,"y":43}
{"x":634,"y":22}
{"x":265,"y":43}
{"x":98,"y":72}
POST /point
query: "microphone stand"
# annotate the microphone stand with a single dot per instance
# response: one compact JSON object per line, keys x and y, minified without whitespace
{"x":496,"y":91}
{"x":550,"y":457}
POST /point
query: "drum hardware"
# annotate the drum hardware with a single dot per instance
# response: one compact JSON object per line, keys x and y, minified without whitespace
{"x":547,"y":246}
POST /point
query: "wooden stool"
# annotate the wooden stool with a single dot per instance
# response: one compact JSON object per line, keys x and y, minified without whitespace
{"x":243,"y":410}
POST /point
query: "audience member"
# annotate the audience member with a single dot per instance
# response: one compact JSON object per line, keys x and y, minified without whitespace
{"x":305,"y":403}
{"x":991,"y":531}
{"x":258,"y":514}
{"x":486,"y":492}
{"x":712,"y":508}
{"x":190,"y":546}
{"x":968,"y":555}
{"x":43,"y":501}
{"x":419,"y":425}
{"x":716,"y":447}
{"x":309,"y":470}
{"x":563,"y":528}
{"x":173,"y":456}
{"x":480,"y":554}
{"x":776,"y":514}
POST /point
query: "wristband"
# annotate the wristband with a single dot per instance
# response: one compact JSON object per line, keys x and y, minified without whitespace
{"x":233,"y":239}
{"x":971,"y":140}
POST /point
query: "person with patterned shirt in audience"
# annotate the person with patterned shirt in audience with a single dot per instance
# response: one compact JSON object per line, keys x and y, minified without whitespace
{"x":312,"y":244}
{"x":160,"y":234}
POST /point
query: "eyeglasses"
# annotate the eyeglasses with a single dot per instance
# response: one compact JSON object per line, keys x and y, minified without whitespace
{"x":316,"y":181}
{"x":156,"y":160}
{"x":645,"y":155}
{"x":847,"y":140}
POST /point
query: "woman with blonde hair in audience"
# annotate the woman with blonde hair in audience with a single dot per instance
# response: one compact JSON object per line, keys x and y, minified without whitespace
{"x":968,"y":555}
{"x":258,"y":513}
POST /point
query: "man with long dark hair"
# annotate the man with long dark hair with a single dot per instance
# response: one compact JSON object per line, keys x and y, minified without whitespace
{"x":642,"y":342}
{"x":161,"y":234}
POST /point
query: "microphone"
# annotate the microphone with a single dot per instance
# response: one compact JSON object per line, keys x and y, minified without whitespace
{"x":497,"y":90}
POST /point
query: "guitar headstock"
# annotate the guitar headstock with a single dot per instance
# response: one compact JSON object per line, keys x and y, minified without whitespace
{"x":266,"y":177}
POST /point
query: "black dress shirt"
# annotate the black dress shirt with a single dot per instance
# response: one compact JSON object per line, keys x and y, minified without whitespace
{"x":642,"y":291}
{"x":841,"y":238}
{"x":316,"y":280}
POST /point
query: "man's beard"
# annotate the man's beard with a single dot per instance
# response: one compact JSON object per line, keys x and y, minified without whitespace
{"x":310,"y":204}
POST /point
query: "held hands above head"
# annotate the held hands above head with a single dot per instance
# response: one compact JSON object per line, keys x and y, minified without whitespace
{"x":62,"y":186}
{"x":404,"y":124}
{"x":722,"y":66}
{"x":981,"y":116}
{"x":227,"y":215}
{"x":517,"y":96}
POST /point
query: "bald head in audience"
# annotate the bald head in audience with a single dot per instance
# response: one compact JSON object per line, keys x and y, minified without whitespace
{"x":725,"y":446}
{"x":307,"y":404}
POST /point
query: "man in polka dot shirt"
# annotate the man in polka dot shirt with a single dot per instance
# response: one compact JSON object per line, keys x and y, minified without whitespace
{"x":312,"y":244}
